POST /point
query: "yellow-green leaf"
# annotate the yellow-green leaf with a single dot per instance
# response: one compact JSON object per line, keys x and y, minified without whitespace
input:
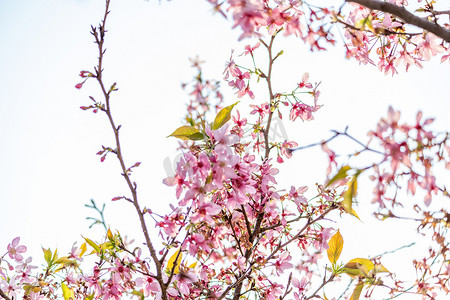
{"x":171,"y":262}
{"x":187,"y":133}
{"x":83,"y":249}
{"x":379,"y":268}
{"x":358,"y":267}
{"x":109,"y":234}
{"x":192,"y":265}
{"x":365,"y":22}
{"x":335,"y":246}
{"x":47,"y":255}
{"x":68,"y":293}
{"x":357,"y":291}
{"x":63,"y":260}
{"x":349,"y":194}
{"x":93,"y":245}
{"x":341,"y":174}
{"x":223,"y":116}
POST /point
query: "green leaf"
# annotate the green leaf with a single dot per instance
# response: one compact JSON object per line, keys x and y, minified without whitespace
{"x":93,"y":245}
{"x":223,"y":116}
{"x":187,"y":133}
{"x":335,"y":246}
{"x":341,"y":174}
{"x":68,"y":294}
{"x":357,"y":291}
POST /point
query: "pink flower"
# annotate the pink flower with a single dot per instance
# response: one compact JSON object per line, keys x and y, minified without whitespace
{"x":427,"y":46}
{"x":79,"y":85}
{"x":297,"y":195}
{"x":150,"y":285}
{"x":14,"y":249}
{"x":321,"y":242}
{"x":84,"y":74}
{"x":304,"y":83}
{"x":249,"y":49}
{"x":286,"y":148}
{"x":10,"y":288}
{"x":282,"y":263}
{"x":301,"y":286}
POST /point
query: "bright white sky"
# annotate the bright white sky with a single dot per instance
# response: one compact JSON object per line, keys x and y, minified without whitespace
{"x":48,"y":165}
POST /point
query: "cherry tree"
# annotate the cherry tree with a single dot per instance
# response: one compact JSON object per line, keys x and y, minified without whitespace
{"x":234,"y":232}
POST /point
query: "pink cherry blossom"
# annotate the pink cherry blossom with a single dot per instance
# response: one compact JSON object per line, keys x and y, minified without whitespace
{"x":15,"y":250}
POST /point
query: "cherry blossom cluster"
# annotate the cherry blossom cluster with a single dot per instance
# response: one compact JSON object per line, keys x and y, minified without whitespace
{"x":413,"y":152}
{"x":116,"y":273}
{"x":294,"y":17}
{"x":389,"y":39}
{"x":295,"y":101}
{"x":205,"y":94}
{"x":233,"y":231}
{"x":224,"y":197}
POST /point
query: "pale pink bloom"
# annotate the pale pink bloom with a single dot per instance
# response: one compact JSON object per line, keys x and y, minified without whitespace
{"x":407,"y":59}
{"x":150,"y":285}
{"x":273,"y":292}
{"x":285,"y":148}
{"x":169,"y":226}
{"x":303,"y":111}
{"x":249,"y":49}
{"x":205,"y":212}
{"x":297,"y":196}
{"x":386,"y":65}
{"x":321,"y":242}
{"x":331,"y":157}
{"x":262,"y":110}
{"x":112,"y":290}
{"x":36,"y":296}
{"x":15,"y":250}
{"x":184,"y":280}
{"x":10,"y":288}
{"x":249,"y":16}
{"x":75,"y":253}
{"x":301,"y":286}
{"x":120,"y":272}
{"x":294,"y":26}
{"x":234,"y":200}
{"x":282,"y":263}
{"x":426,"y":45}
{"x":304,"y":83}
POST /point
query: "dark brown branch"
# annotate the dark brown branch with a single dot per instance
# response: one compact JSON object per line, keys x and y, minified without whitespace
{"x":406,"y":16}
{"x":4,"y":296}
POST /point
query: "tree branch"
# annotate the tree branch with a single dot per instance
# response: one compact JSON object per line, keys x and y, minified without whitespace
{"x":406,"y":16}
{"x":4,"y":296}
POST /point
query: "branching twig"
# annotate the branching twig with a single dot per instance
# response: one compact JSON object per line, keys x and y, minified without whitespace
{"x":99,"y":34}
